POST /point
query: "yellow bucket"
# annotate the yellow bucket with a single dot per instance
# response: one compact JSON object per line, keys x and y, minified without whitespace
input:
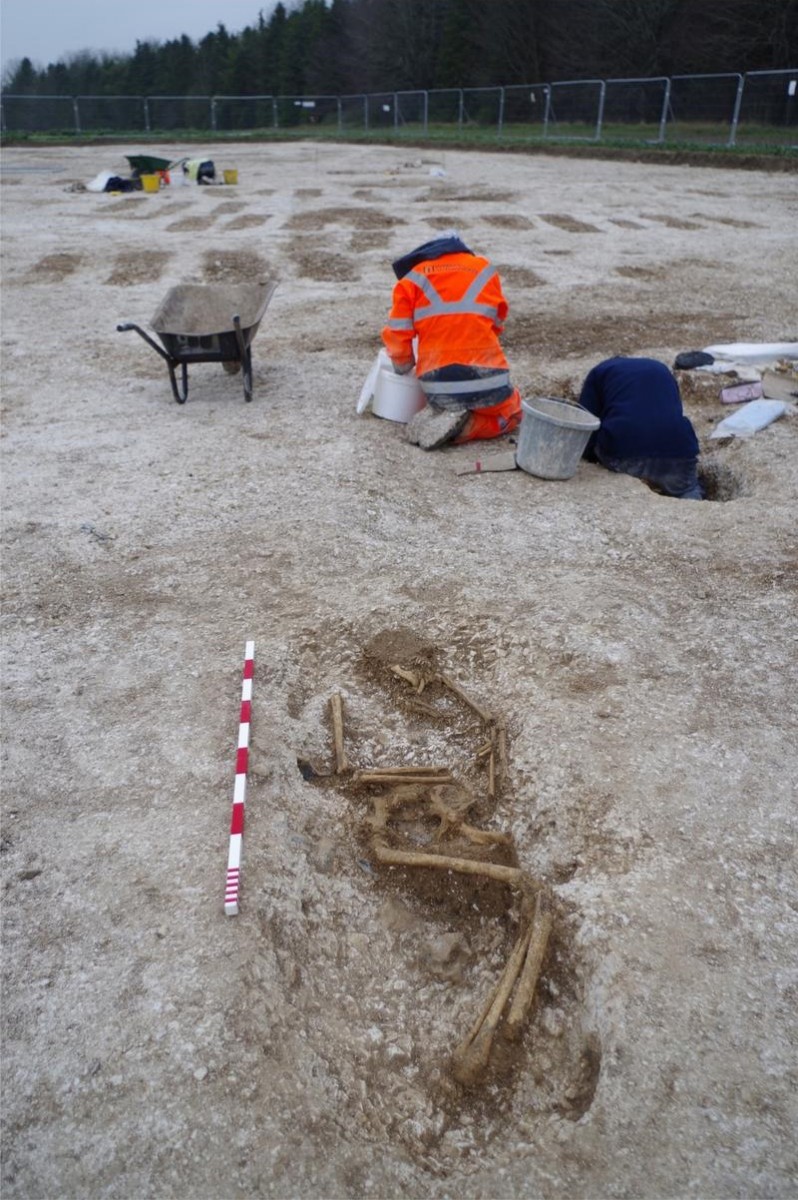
{"x":231,"y":176}
{"x":150,"y":183}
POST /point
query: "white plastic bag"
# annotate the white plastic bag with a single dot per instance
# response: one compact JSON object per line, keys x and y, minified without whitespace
{"x":367,"y":391}
{"x":753,"y":352}
{"x":97,"y":184}
{"x":750,"y":418}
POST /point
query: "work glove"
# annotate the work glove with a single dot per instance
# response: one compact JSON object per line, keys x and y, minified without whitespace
{"x":403,"y":368}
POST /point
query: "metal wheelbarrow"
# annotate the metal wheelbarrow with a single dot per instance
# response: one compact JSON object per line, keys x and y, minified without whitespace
{"x":199,"y":324}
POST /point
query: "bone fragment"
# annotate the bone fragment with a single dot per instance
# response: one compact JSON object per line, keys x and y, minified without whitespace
{"x":337,"y":713}
{"x":484,"y":837}
{"x":426,"y":710}
{"x":484,"y":750}
{"x":525,"y":992}
{"x":442,"y":862}
{"x":415,"y":678}
{"x":472,"y":704}
{"x":492,"y":776}
{"x":470,"y":1059}
{"x":501,"y":746}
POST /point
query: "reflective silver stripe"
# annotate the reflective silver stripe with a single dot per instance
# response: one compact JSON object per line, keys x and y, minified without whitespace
{"x":443,"y":310}
{"x":400,"y":322}
{"x":487,"y":384}
{"x":426,"y":287}
{"x":467,"y":304}
{"x":476,"y":287}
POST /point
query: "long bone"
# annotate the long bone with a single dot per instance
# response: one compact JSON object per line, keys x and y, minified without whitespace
{"x":337,"y":714}
{"x":403,"y":775}
{"x":442,"y":862}
{"x":470,"y":1059}
{"x":525,"y":992}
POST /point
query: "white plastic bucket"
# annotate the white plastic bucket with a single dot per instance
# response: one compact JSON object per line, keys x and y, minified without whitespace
{"x":396,"y":397}
{"x":552,"y":437}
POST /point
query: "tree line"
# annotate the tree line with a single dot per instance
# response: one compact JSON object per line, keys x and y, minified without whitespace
{"x":342,"y":47}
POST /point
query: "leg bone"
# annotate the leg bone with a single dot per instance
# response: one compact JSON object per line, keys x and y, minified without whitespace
{"x":470,"y":1059}
{"x":525,"y":992}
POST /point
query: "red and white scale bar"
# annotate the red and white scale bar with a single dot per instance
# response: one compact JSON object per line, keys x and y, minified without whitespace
{"x":240,"y":788}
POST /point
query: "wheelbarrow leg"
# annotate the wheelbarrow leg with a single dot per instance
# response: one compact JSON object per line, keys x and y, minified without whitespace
{"x":180,"y":394}
{"x":170,"y":362}
{"x":247,"y":370}
{"x":246,"y":358}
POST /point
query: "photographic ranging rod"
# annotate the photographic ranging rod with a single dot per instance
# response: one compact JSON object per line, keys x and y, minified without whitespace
{"x":233,"y":884}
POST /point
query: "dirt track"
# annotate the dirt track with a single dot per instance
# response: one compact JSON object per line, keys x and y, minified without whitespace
{"x":639,"y":648}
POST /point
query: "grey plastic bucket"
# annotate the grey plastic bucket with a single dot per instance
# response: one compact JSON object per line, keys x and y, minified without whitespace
{"x":553,"y":436}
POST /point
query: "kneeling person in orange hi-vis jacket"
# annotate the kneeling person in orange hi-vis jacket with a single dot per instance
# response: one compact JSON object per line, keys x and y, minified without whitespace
{"x":451,"y":301}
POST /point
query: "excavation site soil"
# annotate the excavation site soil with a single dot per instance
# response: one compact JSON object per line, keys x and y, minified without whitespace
{"x":580,"y":689}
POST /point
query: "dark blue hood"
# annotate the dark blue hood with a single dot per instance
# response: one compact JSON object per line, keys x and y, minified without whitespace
{"x":434,"y":249}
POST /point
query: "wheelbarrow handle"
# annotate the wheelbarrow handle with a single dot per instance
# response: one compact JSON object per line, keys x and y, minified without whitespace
{"x":127,"y":325}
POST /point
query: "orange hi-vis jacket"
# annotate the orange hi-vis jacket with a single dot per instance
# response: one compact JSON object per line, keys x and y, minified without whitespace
{"x":455,"y":306}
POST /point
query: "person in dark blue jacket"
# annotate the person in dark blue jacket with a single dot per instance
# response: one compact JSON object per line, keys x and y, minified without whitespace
{"x":643,"y":431}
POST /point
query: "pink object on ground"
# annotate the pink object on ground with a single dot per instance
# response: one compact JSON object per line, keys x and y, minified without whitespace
{"x":738,"y":393}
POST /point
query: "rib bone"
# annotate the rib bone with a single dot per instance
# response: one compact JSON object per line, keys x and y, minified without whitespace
{"x":482,"y":713}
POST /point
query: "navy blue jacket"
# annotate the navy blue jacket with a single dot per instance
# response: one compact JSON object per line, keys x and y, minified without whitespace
{"x":640,"y":408}
{"x":437,"y":248}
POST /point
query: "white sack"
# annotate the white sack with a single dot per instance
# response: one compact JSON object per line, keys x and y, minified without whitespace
{"x":754,"y":352}
{"x":750,"y":418}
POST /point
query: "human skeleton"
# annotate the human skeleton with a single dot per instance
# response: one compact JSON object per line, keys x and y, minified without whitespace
{"x":407,"y":794}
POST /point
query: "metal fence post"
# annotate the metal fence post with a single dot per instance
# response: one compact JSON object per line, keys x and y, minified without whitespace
{"x":76,"y":111}
{"x":600,"y":117}
{"x":146,"y":114}
{"x":500,"y":130}
{"x":546,"y":110}
{"x":213,"y":113}
{"x":666,"y":105}
{"x":738,"y":99}
{"x":426,"y":113}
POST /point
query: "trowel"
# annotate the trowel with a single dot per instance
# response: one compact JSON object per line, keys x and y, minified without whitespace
{"x":502,"y":461}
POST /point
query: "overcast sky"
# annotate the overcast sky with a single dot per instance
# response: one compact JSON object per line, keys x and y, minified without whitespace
{"x":46,"y":30}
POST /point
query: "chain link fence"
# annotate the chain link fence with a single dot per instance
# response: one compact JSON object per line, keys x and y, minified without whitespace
{"x":758,"y":109}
